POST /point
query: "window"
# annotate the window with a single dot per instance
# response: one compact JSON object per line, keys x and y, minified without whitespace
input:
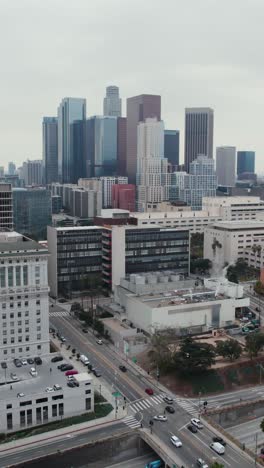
{"x":25,"y":275}
{"x":22,"y":418}
{"x":9,"y":420}
{"x":61,"y":409}
{"x":87,"y":392}
{"x":41,"y":400}
{"x":39,"y":336}
{"x":3,"y":306}
{"x":87,"y":403}
{"x":54,"y":411}
{"x":18,"y":276}
{"x":9,"y":406}
{"x":38,"y":415}
{"x":45,"y":413}
{"x":3,"y":316}
{"x":10,"y":277}
{"x":57,"y":397}
{"x":2,"y":277}
{"x":39,"y":346}
{"x":29,"y":417}
{"x":26,"y":303}
{"x":25,"y":403}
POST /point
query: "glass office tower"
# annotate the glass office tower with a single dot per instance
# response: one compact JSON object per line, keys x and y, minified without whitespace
{"x":245,"y":162}
{"x":101,"y":138}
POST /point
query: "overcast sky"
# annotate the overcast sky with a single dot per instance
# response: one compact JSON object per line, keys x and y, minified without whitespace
{"x":192,"y":52}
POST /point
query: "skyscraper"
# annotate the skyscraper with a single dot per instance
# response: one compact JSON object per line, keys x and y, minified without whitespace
{"x":32,"y":172}
{"x":6,"y":207}
{"x":139,"y":108}
{"x":50,"y":149}
{"x":199,"y":134}
{"x":112,"y":102}
{"x":172,"y":146}
{"x":11,"y":168}
{"x":101,"y":143}
{"x":32,"y":211}
{"x":152,"y":167}
{"x":71,"y":124}
{"x":226,"y":165}
{"x":245,"y":162}
{"x":121,"y":146}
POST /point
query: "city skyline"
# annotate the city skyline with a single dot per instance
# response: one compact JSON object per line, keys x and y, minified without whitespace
{"x":205,"y":73}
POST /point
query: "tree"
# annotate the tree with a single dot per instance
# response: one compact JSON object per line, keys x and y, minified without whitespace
{"x":197,"y":239}
{"x":229,"y":348}
{"x":262,"y":425}
{"x":217,"y":465}
{"x":160,"y":353}
{"x":200,"y":265}
{"x":194,"y":357}
{"x":254,"y":344}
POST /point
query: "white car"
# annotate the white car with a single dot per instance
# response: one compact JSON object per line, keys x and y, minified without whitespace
{"x":33,"y":372}
{"x":24,"y":362}
{"x":20,"y":395}
{"x":168,"y":399}
{"x":99,"y":342}
{"x":201,"y":463}
{"x":160,"y":417}
{"x":57,"y":387}
{"x":176,"y":441}
{"x":13,"y":376}
{"x":49,"y":389}
{"x":70,"y":377}
{"x":197,"y":423}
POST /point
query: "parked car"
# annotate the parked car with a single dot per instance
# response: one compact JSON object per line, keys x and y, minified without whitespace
{"x":65,"y":367}
{"x":197,"y":423}
{"x":38,"y":360}
{"x":71,"y":372}
{"x":90,"y":367}
{"x":20,"y":395}
{"x":97,"y":373}
{"x":71,"y":384}
{"x":4,"y":365}
{"x":170,"y":409}
{"x":160,"y":417}
{"x":33,"y":372}
{"x":84,"y":330}
{"x":201,"y":463}
{"x":168,"y":399}
{"x":49,"y":389}
{"x":17,"y":363}
{"x":13,"y":376}
{"x":123,"y":368}
{"x":149,"y":391}
{"x":218,"y":448}
{"x":176,"y":441}
{"x":63,"y":339}
{"x":99,"y":342}
{"x":57,"y":387}
{"x":24,"y":362}
{"x":57,"y":359}
{"x":192,"y":428}
{"x":219,"y":440}
{"x":30,"y":360}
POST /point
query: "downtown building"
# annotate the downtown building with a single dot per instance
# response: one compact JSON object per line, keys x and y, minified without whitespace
{"x":6,"y":207}
{"x":50,"y":149}
{"x":172,"y":147}
{"x":199,"y":134}
{"x":101,"y":146}
{"x":112,"y":102}
{"x":245,"y":162}
{"x":226,"y":165}
{"x":32,"y":172}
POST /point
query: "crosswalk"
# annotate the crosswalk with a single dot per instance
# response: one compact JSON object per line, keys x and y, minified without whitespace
{"x":62,"y":313}
{"x":147,"y":403}
{"x":132,"y":422}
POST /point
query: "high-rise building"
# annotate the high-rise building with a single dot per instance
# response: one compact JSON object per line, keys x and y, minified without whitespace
{"x":112,"y":102}
{"x":199,"y":134}
{"x":24,"y":291}
{"x":32,"y":172}
{"x":124,"y":197}
{"x":32,"y":211}
{"x":245,"y":162}
{"x":101,"y":143}
{"x":226,"y":165}
{"x":50,"y":149}
{"x":6,"y":207}
{"x":71,"y":144}
{"x":11,"y":168}
{"x":152,"y":167}
{"x":107,"y":184}
{"x":139,"y":108}
{"x":172,"y":146}
{"x":121,"y":146}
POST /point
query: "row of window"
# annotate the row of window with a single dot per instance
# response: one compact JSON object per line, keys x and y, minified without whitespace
{"x":19,"y":339}
{"x":20,"y":350}
{"x":18,"y":304}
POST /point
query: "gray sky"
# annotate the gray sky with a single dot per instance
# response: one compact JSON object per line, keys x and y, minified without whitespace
{"x":192,"y":52}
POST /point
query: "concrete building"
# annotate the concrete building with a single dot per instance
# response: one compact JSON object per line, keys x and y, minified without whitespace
{"x":24,"y":318}
{"x":238,"y":208}
{"x":71,"y":139}
{"x":226,"y":241}
{"x":112,"y":102}
{"x":32,"y":211}
{"x":121,"y":146}
{"x":32,"y":172}
{"x":6,"y":207}
{"x":152,"y":167}
{"x":139,"y":108}
{"x":50,"y":149}
{"x":130,"y":249}
{"x":226,"y":165}
{"x":75,"y":256}
{"x":124,"y":196}
{"x":107,"y":184}
{"x":245,"y":162}
{"x":81,"y":201}
{"x":199,"y":134}
{"x":162,"y":301}
{"x":172,"y":147}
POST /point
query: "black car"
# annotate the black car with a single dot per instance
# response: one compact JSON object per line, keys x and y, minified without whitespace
{"x":219,"y":440}
{"x":90,"y":367}
{"x":84,"y":330}
{"x":71,"y":384}
{"x":192,"y":428}
{"x":30,"y":360}
{"x":4,"y":365}
{"x":17,"y":363}
{"x":65,"y":367}
{"x":38,"y":360}
{"x":57,"y":359}
{"x":97,"y":373}
{"x":123,"y":368}
{"x":170,"y":409}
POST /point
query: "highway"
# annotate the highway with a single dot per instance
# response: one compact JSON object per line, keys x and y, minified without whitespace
{"x":144,"y":407}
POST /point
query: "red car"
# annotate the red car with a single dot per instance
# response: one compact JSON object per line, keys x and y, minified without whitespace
{"x":71,"y":372}
{"x":149,"y":391}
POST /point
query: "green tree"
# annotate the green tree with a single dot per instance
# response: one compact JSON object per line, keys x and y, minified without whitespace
{"x":217,"y":465}
{"x":197,"y":240}
{"x":230,"y":349}
{"x":262,"y":425}
{"x":160,"y":353}
{"x":200,"y":265}
{"x":194,"y":357}
{"x":254,"y":344}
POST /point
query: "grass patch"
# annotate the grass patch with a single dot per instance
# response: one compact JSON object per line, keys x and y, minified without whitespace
{"x":99,"y":398}
{"x":99,"y":412}
{"x":207,"y":382}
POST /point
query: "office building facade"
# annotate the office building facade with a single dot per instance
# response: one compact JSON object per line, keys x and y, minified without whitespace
{"x":75,"y":255}
{"x":6,"y":207}
{"x":245,"y":162}
{"x":112,"y":102}
{"x":172,"y":147}
{"x":101,"y":143}
{"x":32,"y":211}
{"x":199,"y":134}
{"x":226,"y":165}
{"x":121,"y":146}
{"x":50,"y":149}
{"x":124,"y":197}
{"x":139,"y":108}
{"x":24,"y":318}
{"x":32,"y":172}
{"x":71,"y":140}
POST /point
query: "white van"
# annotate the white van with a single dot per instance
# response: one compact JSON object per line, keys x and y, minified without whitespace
{"x":84,"y":359}
{"x":218,"y":448}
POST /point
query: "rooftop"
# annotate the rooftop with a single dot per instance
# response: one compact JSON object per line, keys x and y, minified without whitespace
{"x":238,"y":225}
{"x":13,"y":242}
{"x":77,"y":228}
{"x":181,"y":297}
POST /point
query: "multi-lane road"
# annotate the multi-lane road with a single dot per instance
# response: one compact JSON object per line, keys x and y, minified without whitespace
{"x":142,"y":407}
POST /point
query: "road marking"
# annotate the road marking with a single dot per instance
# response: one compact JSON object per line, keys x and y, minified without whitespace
{"x":181,"y":428}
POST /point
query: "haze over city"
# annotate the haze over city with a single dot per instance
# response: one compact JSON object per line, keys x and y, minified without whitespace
{"x":205,"y":53}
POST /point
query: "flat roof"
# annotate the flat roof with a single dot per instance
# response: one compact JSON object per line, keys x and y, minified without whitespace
{"x":174,"y":214}
{"x":77,"y":228}
{"x":237,"y":225}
